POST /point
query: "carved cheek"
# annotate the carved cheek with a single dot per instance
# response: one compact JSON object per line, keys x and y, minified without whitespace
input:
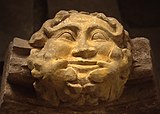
{"x":62,"y":49}
{"x":104,"y":48}
{"x":116,"y":54}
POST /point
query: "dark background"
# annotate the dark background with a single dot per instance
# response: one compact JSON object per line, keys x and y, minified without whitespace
{"x":21,"y":18}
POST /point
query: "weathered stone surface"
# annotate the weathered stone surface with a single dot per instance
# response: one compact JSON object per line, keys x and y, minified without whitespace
{"x":18,"y":72}
{"x":142,"y":62}
{"x":21,"y":47}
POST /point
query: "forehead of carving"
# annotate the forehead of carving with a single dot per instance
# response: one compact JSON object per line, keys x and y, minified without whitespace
{"x":82,"y":22}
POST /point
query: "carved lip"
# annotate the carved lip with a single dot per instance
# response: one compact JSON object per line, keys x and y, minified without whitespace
{"x":83,"y":65}
{"x":83,"y":62}
{"x":83,"y":68}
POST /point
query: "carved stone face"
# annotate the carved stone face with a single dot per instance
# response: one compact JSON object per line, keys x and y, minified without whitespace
{"x":80,"y":63}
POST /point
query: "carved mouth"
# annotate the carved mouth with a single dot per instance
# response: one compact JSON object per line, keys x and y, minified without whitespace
{"x":83,"y":65}
{"x":83,"y":68}
{"x":86,"y":65}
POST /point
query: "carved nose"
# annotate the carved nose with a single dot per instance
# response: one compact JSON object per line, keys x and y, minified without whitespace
{"x":84,"y":52}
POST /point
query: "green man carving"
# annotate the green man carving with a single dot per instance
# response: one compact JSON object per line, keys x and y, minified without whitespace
{"x":80,"y":58}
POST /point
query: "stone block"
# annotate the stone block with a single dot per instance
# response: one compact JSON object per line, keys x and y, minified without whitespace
{"x":142,"y":61}
{"x":17,"y":98}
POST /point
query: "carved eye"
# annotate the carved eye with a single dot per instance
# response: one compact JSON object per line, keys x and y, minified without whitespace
{"x":99,"y":37}
{"x":67,"y":36}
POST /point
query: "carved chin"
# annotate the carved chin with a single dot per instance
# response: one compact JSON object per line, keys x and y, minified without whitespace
{"x":69,"y":85}
{"x":100,"y":85}
{"x":80,"y":82}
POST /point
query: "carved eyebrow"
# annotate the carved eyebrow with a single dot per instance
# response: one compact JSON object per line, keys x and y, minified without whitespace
{"x":94,"y":27}
{"x":51,"y":31}
{"x":70,"y":27}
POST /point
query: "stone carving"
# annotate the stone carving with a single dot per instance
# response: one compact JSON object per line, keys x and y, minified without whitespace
{"x":80,"y":58}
